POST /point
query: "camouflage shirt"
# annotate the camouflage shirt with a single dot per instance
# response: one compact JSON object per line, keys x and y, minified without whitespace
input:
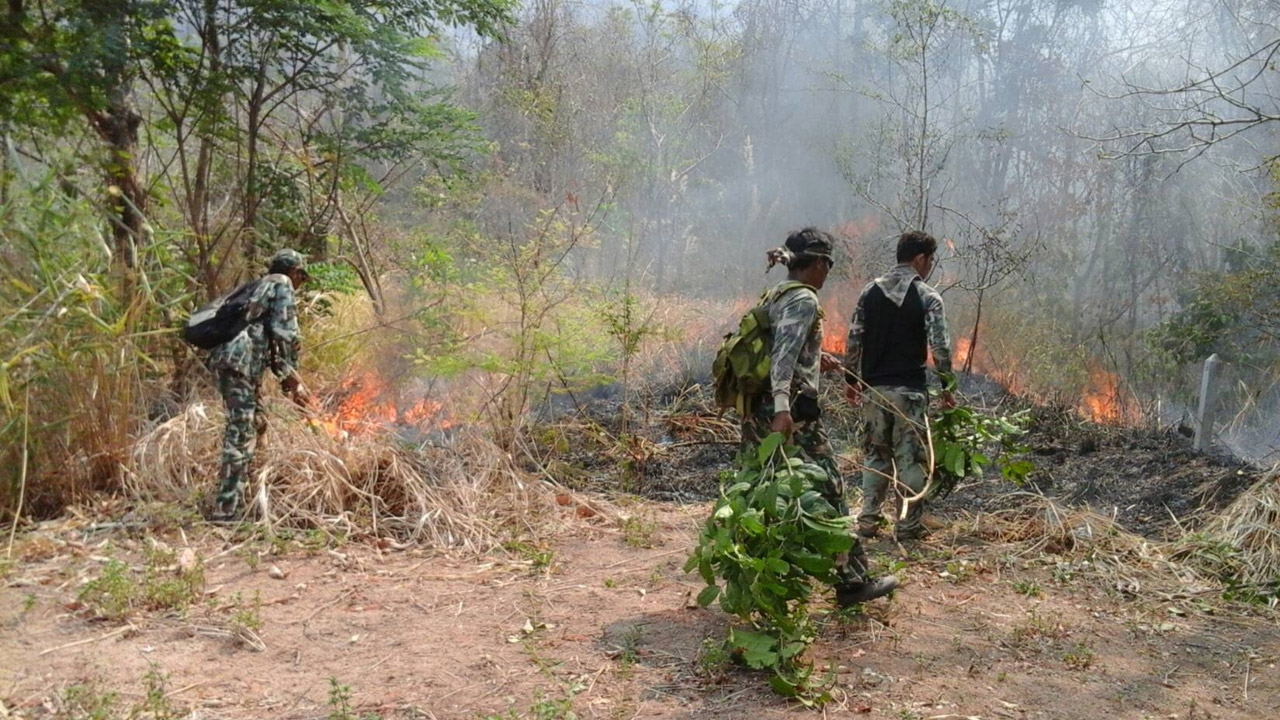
{"x":796,"y":322}
{"x":272,"y":337}
{"x":895,"y":285}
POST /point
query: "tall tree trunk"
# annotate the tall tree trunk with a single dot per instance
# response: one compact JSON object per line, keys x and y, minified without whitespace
{"x":118,"y":127}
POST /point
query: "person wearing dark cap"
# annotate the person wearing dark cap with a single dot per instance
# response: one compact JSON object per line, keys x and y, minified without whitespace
{"x":271,"y":339}
{"x":791,"y":405}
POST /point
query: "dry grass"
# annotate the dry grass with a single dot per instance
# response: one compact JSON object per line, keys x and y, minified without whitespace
{"x":462,"y":493}
{"x":1040,"y":526}
{"x":1241,"y":545}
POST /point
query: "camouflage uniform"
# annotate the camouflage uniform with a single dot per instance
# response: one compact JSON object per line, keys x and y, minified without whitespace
{"x":271,"y":339}
{"x":893,"y":433}
{"x":796,"y":322}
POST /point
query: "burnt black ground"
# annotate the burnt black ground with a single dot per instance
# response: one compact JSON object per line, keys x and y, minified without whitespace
{"x":1149,"y":479}
{"x":1143,"y":477}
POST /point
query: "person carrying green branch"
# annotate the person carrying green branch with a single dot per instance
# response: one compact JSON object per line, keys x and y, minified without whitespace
{"x":897,"y":320}
{"x":788,"y":403}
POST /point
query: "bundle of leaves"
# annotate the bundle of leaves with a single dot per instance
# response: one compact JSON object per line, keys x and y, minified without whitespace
{"x":769,"y":537}
{"x":962,"y":437}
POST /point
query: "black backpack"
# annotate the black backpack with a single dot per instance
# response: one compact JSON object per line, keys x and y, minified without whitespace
{"x":221,"y":320}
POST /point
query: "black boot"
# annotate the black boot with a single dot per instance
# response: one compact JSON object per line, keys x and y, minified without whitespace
{"x":854,"y":593}
{"x":858,"y":586}
{"x":222,"y":512}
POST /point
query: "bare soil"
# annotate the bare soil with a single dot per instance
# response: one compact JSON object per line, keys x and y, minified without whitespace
{"x":596,"y":623}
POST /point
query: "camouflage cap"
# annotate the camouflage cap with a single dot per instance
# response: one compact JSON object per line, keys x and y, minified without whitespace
{"x":287,"y":259}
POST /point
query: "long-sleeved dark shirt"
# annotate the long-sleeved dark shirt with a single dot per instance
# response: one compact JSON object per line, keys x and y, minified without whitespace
{"x":886,"y":366}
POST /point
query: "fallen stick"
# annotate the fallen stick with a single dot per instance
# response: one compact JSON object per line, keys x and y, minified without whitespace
{"x":86,"y":641}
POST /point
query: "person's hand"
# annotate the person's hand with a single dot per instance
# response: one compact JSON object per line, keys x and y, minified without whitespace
{"x":782,"y":423}
{"x":828,"y":363}
{"x":294,"y":388}
{"x":853,"y":394}
{"x":947,"y":399}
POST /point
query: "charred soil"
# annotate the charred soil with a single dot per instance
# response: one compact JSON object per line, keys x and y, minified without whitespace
{"x":1149,"y":480}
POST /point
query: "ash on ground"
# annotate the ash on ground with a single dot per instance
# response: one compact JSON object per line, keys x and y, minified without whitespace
{"x":1149,"y":480}
{"x":675,"y":446}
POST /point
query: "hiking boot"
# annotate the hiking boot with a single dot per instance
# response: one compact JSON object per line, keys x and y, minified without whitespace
{"x":868,"y":531}
{"x":222,"y":513}
{"x":854,"y":593}
{"x":914,"y":532}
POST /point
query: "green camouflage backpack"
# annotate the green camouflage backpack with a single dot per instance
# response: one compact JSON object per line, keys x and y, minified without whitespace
{"x":741,"y":367}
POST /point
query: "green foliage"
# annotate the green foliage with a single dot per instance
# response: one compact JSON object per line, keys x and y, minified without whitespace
{"x":333,"y":277}
{"x":1030,"y":588}
{"x":111,"y":594}
{"x":539,"y":557}
{"x":1217,"y":558}
{"x":638,"y":531}
{"x":544,"y":707}
{"x":1235,"y":314}
{"x":247,"y":617}
{"x":166,"y":585}
{"x":89,"y":702}
{"x":77,"y":364}
{"x":117,"y":592}
{"x":770,"y":535}
{"x":155,"y":701}
{"x":540,"y":330}
{"x":1079,"y":657}
{"x":961,"y":435}
{"x":629,"y":328}
{"x":340,"y":703}
{"x":713,"y":658}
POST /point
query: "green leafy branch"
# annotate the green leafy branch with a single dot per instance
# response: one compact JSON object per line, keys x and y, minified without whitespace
{"x":769,"y":537}
{"x":960,"y":437}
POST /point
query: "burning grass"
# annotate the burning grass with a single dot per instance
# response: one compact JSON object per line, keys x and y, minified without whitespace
{"x":461,"y":493}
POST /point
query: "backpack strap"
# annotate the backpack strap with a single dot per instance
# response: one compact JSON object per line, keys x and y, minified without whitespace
{"x":761,"y":310}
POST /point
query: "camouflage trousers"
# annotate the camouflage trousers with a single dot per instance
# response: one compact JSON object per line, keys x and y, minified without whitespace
{"x":810,"y":439}
{"x":893,"y":446}
{"x":246,"y":426}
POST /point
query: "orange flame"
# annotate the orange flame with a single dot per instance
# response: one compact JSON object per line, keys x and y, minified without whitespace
{"x":833,"y":339}
{"x":1104,"y":400}
{"x":962,"y":352}
{"x":366,"y":404}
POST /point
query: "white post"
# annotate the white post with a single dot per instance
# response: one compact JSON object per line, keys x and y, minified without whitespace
{"x":1208,"y":398}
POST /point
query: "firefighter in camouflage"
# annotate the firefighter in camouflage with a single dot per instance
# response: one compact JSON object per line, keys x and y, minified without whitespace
{"x":270,"y":340}
{"x":791,"y":407}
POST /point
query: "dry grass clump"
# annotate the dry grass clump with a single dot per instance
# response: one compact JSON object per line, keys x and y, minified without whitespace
{"x":460,"y":493}
{"x":1080,"y":538}
{"x":1241,"y":545}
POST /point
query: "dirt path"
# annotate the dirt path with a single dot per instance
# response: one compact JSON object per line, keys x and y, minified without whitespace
{"x":599,"y":625}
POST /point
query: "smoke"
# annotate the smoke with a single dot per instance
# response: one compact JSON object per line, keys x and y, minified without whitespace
{"x":1081,"y":158}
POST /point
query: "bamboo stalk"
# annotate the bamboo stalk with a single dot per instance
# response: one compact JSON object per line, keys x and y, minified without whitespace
{"x":22,"y":478}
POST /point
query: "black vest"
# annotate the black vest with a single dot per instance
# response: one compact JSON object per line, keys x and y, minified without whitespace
{"x":894,"y":344}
